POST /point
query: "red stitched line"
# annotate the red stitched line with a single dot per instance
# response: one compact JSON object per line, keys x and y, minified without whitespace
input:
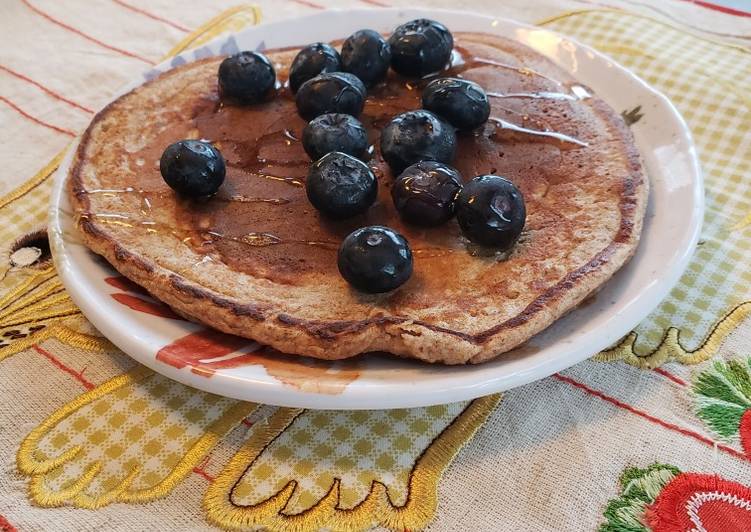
{"x":199,"y":469}
{"x":77,"y":375}
{"x":670,"y":376}
{"x":35,"y":119}
{"x":649,"y":417}
{"x":375,"y":3}
{"x":152,"y":16}
{"x":5,"y":525}
{"x":722,"y":9}
{"x":246,"y":423}
{"x":204,"y":474}
{"x":45,"y":89}
{"x":309,"y":4}
{"x":84,"y":35}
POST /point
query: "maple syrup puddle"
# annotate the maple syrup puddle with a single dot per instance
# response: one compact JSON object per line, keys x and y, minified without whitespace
{"x":251,"y":156}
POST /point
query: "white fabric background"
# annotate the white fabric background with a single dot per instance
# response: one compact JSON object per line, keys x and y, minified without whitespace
{"x":550,"y":456}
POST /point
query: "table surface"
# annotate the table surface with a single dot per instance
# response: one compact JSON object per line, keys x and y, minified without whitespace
{"x":654,"y":434}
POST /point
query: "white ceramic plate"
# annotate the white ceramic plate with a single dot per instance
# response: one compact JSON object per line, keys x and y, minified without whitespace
{"x":669,"y":237}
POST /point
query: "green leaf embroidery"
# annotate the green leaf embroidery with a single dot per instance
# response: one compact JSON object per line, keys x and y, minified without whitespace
{"x":723,"y":395}
{"x":722,"y":419}
{"x":716,"y":385}
{"x":736,"y":373}
{"x":639,"y":488}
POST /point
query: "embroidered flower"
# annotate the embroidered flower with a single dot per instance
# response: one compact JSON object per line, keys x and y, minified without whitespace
{"x":723,"y":399}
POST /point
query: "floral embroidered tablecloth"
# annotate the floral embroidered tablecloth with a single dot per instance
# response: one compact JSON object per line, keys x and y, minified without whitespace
{"x":653,"y":434}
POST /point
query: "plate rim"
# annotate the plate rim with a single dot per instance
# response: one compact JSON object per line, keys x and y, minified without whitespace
{"x":273,"y":392}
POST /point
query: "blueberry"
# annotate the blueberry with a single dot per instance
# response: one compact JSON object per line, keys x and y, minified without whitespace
{"x":425,"y":193}
{"x":491,"y":211}
{"x":192,"y":168}
{"x":375,"y":259}
{"x":247,"y":77}
{"x":366,"y":55}
{"x":461,"y":102}
{"x":335,"y":92}
{"x":420,"y":47}
{"x":312,"y":60}
{"x":341,"y":186}
{"x":417,"y":136}
{"x":334,"y":132}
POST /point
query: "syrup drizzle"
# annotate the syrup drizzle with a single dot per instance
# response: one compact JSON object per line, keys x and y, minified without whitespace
{"x":290,"y":136}
{"x":293,"y":181}
{"x":526,"y":71}
{"x":253,"y":239}
{"x":430,"y":253}
{"x":109,"y":215}
{"x":109,"y":191}
{"x":245,"y":199}
{"x":503,"y":124}
{"x":239,"y":198}
{"x":251,"y":159}
{"x":526,"y":118}
{"x":204,"y":260}
{"x":578,"y":92}
{"x":535,"y":95}
{"x":459,"y":65}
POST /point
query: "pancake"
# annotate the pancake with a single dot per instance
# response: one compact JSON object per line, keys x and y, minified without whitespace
{"x":257,"y":260}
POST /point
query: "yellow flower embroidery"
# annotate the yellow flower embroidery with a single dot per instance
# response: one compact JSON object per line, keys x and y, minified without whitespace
{"x":343,"y":470}
{"x":130,"y":439}
{"x":671,"y":349}
{"x":135,"y":437}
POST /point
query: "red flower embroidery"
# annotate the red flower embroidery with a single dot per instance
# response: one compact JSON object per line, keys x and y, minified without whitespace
{"x":693,"y":501}
{"x":745,"y":432}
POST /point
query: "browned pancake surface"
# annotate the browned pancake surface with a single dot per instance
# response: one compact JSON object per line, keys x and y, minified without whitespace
{"x":258,"y":260}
